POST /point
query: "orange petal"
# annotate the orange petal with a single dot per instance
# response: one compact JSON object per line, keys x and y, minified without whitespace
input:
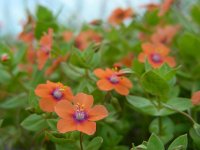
{"x":141,"y":57}
{"x":64,"y":109}
{"x":98,"y":112}
{"x":84,"y":99}
{"x":126,"y":82}
{"x":170,"y":61}
{"x":104,"y":85}
{"x":47,"y":105}
{"x":64,"y":125}
{"x":196,"y":98}
{"x":121,"y":89}
{"x":42,"y":90}
{"x":162,"y":49}
{"x":41,"y":59}
{"x":68,"y":95}
{"x":148,"y":48}
{"x":87,"y":127}
{"x":100,"y":73}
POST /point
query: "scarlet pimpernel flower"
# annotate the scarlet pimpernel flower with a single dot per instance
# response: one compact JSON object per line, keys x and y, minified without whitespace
{"x":85,"y":38}
{"x":113,"y":79}
{"x":165,"y":6}
{"x":79,"y":115}
{"x":196,"y":98}
{"x":43,"y":52}
{"x":165,"y":34}
{"x":51,"y":93}
{"x":119,"y":15}
{"x":156,"y":54}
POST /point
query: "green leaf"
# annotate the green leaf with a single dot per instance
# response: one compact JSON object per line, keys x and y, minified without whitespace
{"x":195,"y":137}
{"x":52,"y":123}
{"x":155,"y":143}
{"x":180,"y":143}
{"x":150,"y":107}
{"x":167,"y":128}
{"x":44,"y":14}
{"x":196,"y":127}
{"x":15,"y":101}
{"x":188,"y":44}
{"x":95,"y":144}
{"x":154,"y":84}
{"x":1,"y":122}
{"x":152,"y":17}
{"x":34,"y":122}
{"x":5,"y":76}
{"x":195,"y":13}
{"x":58,"y":138}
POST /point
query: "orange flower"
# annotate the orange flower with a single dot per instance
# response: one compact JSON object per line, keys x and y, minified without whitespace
{"x":151,"y":6}
{"x":156,"y":54}
{"x":51,"y":93}
{"x":45,"y":47}
{"x":165,"y":7}
{"x":165,"y":35}
{"x":119,"y":15}
{"x":111,"y":79}
{"x":67,"y":36}
{"x":85,"y":38}
{"x":79,"y":116}
{"x":55,"y":64}
{"x":127,"y":60}
{"x":196,"y":98}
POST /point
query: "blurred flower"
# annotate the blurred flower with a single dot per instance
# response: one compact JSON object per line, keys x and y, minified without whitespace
{"x":51,"y":93}
{"x":165,"y":35}
{"x":55,"y":64}
{"x":156,"y":54}
{"x":85,"y":38}
{"x":45,"y":47}
{"x":151,"y":6}
{"x":119,"y":15}
{"x":196,"y":98}
{"x":27,"y":34}
{"x":112,"y":79}
{"x":67,"y":36}
{"x":96,"y":22}
{"x":79,"y":115}
{"x":126,"y":61}
{"x":165,"y":6}
{"x":4,"y":57}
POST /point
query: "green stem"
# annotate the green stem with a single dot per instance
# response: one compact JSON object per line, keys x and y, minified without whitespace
{"x":181,"y":112}
{"x":81,"y":140}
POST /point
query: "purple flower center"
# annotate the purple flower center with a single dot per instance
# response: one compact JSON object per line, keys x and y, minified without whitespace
{"x":57,"y":94}
{"x":156,"y":58}
{"x":114,"y":79}
{"x":80,"y":116}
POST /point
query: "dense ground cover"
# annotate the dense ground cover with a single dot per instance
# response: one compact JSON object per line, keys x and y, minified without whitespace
{"x":131,"y":82}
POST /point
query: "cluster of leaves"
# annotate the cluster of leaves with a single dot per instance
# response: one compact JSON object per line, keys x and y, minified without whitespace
{"x":157,"y":108}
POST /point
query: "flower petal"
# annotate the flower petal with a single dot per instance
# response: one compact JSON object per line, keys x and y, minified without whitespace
{"x":84,"y":99}
{"x":121,"y":89}
{"x":100,"y":73}
{"x":148,"y":48}
{"x":170,"y":61}
{"x":68,"y":95}
{"x":87,"y":127}
{"x":126,"y":82}
{"x":42,"y":90}
{"x":98,"y":112}
{"x":47,"y":105}
{"x":64,"y":125}
{"x":64,"y":109}
{"x":104,"y":85}
{"x":141,"y":57}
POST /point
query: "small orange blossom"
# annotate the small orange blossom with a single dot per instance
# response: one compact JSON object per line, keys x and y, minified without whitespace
{"x":79,"y":115}
{"x":156,"y":54}
{"x":51,"y":93}
{"x":112,"y":79}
